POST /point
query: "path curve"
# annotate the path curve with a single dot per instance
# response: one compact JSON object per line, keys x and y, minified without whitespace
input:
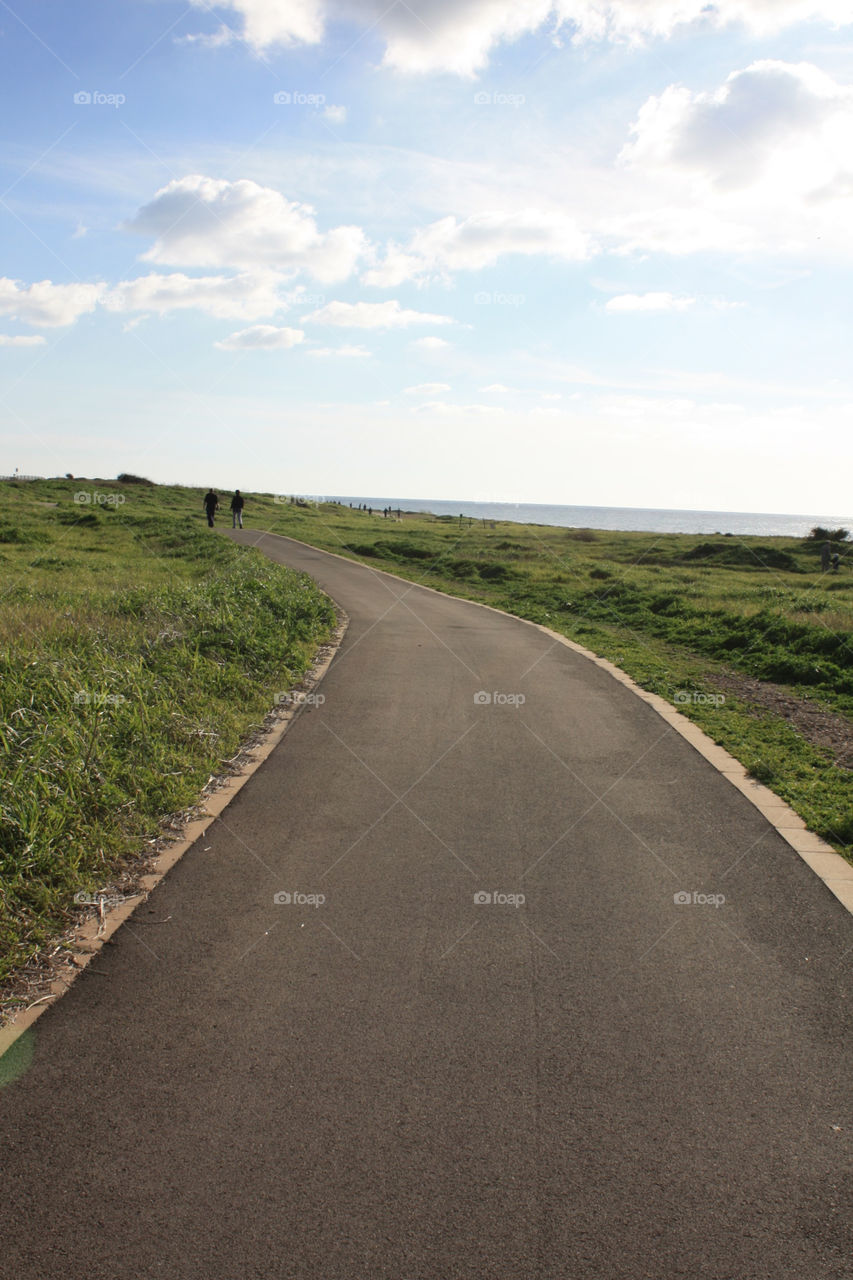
{"x":599,"y":1082}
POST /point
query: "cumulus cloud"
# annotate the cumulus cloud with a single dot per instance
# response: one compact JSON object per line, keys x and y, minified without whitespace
{"x":733,"y":132}
{"x":207,"y":222}
{"x":335,"y":115}
{"x":738,"y":169}
{"x":429,"y":344}
{"x":450,"y":245}
{"x":371,"y":315}
{"x":346,"y":351}
{"x":427,"y":389}
{"x":497,"y":388}
{"x":21,"y":340}
{"x":271,"y":22}
{"x":47,"y":305}
{"x":242,"y":297}
{"x":441,"y":408}
{"x":648,"y":302}
{"x":261,"y":337}
{"x":459,"y":36}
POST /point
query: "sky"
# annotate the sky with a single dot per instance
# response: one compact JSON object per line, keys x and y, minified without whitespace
{"x":586,"y":251}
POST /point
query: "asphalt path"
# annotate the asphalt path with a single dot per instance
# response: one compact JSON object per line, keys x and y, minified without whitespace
{"x":580,"y":1079}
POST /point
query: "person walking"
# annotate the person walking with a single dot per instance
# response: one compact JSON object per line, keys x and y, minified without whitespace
{"x":237,"y":505}
{"x":211,"y":505}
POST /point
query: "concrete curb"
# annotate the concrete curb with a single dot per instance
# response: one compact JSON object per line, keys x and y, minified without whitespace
{"x":90,"y":936}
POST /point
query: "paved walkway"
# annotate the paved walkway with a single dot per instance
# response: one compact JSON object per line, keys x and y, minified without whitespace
{"x":581,"y":1078}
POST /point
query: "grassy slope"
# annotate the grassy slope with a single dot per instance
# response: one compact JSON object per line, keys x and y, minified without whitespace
{"x":139,"y":649}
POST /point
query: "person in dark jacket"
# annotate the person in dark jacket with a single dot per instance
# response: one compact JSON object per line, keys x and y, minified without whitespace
{"x":211,"y":503}
{"x":237,"y":505}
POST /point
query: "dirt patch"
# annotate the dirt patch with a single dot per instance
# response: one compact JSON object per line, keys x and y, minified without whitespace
{"x":826,"y":729}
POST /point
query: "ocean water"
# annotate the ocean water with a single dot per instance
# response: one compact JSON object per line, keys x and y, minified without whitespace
{"x":636,"y":519}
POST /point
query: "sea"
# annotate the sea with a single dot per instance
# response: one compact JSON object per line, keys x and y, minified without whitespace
{"x":623,"y":519}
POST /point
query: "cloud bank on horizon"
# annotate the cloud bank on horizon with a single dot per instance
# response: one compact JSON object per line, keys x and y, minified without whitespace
{"x":594,"y":229}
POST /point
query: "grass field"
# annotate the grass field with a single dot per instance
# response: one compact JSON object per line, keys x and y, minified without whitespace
{"x":140,"y":648}
{"x":138,"y":652}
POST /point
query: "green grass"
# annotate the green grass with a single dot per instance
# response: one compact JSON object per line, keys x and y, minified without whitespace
{"x":139,"y":650}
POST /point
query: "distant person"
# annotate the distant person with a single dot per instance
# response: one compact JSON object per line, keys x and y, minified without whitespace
{"x":835,"y":561}
{"x":825,"y":555}
{"x":211,"y":505}
{"x":237,"y":505}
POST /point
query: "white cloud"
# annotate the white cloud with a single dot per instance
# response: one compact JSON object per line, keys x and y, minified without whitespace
{"x":429,"y":344}
{"x":732,"y":133}
{"x":261,"y":337}
{"x":459,"y":35}
{"x":272,"y":22}
{"x":346,"y":351}
{"x":242,"y":297}
{"x":45,"y":304}
{"x":740,"y":169}
{"x":427,"y":389}
{"x":371,"y":315}
{"x":335,"y":115}
{"x":449,"y":245}
{"x":498,"y":388}
{"x":208,"y":222}
{"x":648,"y":302}
{"x":21,"y":340}
{"x":441,"y":408}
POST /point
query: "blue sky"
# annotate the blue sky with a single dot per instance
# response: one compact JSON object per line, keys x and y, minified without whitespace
{"x":592,"y":251}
